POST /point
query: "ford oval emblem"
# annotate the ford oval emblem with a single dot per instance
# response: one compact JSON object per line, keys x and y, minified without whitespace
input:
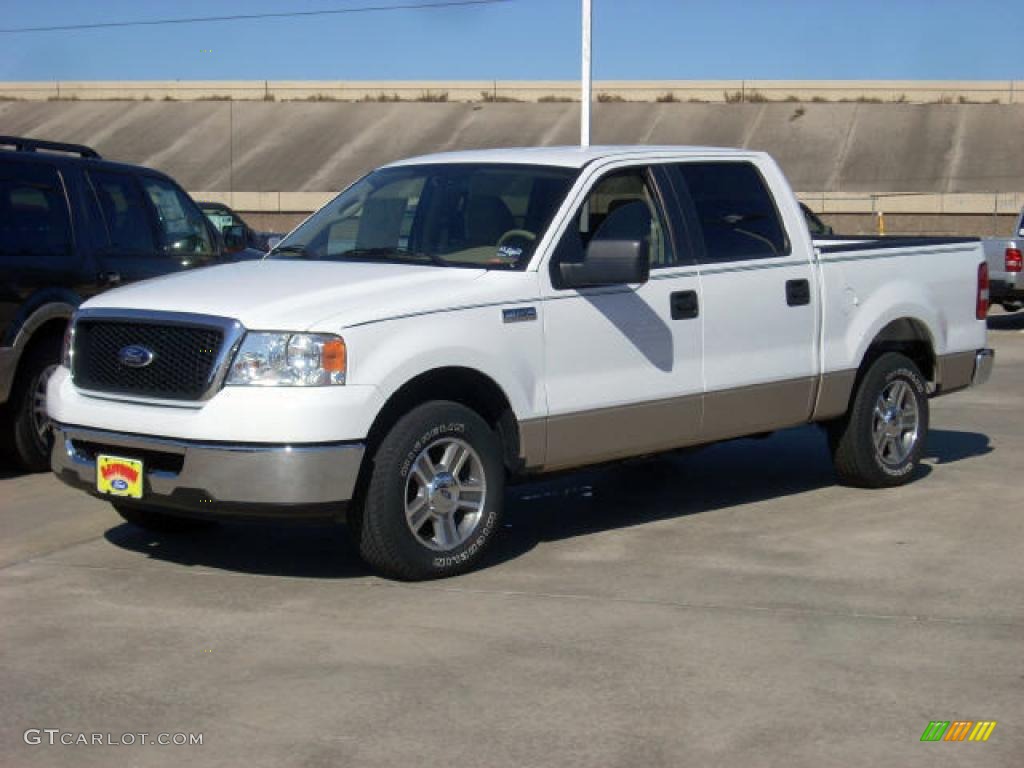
{"x":135,"y":356}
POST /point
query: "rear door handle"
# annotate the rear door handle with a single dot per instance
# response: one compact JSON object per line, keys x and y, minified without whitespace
{"x":798,"y":293}
{"x":109,"y":278}
{"x":685,"y":305}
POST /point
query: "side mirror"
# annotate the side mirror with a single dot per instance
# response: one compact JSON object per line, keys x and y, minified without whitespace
{"x":608,"y":262}
{"x":829,"y":230}
{"x":273,"y":241}
{"x":234,"y":238}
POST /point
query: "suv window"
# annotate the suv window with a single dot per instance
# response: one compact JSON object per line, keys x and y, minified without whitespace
{"x":124,"y":212}
{"x":34,"y":217}
{"x":182,"y":225}
{"x":735,"y":210}
{"x":621,"y":206}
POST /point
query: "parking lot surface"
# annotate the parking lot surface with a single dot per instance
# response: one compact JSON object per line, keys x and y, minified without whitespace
{"x":728,"y":607}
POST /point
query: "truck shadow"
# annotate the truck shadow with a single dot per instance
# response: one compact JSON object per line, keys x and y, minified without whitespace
{"x":722,"y":476}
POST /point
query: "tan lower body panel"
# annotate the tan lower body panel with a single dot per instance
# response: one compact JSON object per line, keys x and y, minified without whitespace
{"x":834,"y":394}
{"x":607,"y":434}
{"x":592,"y":437}
{"x":954,"y":371}
{"x":758,"y":408}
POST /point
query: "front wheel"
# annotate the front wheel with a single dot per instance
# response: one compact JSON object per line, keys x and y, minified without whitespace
{"x":28,"y":433}
{"x":434,"y":497}
{"x":879,"y":443}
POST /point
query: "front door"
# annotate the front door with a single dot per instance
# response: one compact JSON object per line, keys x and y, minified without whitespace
{"x":623,"y":363}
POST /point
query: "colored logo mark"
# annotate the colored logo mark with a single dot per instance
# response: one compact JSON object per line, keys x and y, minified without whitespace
{"x":958,"y":730}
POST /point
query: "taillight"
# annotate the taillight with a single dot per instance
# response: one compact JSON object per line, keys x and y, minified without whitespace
{"x":982,"y":310}
{"x":1014,"y":261}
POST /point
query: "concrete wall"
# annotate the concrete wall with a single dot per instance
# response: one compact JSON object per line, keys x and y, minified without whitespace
{"x":861,"y":149}
{"x":958,"y":164}
{"x":909,"y":91}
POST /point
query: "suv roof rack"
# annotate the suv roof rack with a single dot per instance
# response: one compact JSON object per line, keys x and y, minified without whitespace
{"x":21,"y":144}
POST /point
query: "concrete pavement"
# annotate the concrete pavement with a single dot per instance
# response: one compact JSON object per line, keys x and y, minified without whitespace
{"x":729,"y":607}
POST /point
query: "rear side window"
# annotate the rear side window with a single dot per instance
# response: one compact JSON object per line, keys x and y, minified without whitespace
{"x":124,"y":212}
{"x":182,"y":225}
{"x":736,"y":212}
{"x":34,"y":217}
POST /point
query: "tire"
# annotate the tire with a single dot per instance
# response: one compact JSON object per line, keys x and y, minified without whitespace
{"x":27,"y":437}
{"x":879,"y":443}
{"x":160,"y":522}
{"x":430,"y":519}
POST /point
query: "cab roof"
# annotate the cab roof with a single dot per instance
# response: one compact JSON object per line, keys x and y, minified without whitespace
{"x":569,"y":157}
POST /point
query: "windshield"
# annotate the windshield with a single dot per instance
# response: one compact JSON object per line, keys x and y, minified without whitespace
{"x":453,"y":215}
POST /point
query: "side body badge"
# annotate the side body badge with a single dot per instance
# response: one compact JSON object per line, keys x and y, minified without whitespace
{"x":519,"y":314}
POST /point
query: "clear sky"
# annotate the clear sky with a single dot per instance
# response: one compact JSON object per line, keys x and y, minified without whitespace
{"x":521,"y":39}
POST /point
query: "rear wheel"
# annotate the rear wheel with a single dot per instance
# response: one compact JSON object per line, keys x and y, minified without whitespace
{"x":159,"y":521}
{"x":434,"y":497}
{"x":28,"y":434}
{"x":879,"y":442}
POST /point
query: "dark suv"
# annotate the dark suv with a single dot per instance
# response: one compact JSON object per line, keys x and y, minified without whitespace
{"x":72,"y":225}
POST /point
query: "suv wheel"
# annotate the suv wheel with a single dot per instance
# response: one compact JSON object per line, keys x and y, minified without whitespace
{"x":879,"y":442}
{"x":28,"y":435}
{"x":435,"y":494}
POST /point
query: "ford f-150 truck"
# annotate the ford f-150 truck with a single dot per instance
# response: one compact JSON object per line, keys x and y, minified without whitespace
{"x":453,"y":321}
{"x":1005,"y":257}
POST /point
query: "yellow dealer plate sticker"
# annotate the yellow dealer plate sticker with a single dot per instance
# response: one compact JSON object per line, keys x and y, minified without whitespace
{"x":118,"y":476}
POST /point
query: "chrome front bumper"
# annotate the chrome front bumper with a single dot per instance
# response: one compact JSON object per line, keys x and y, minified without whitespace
{"x":983,"y":362}
{"x":213,"y":479}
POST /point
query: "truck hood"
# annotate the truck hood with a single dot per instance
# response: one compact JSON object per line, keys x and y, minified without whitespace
{"x":298,"y":295}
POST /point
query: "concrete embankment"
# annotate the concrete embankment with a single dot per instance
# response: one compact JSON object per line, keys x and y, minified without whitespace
{"x":849,"y":159}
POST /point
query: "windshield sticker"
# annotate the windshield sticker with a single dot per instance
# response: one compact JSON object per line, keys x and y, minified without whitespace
{"x":510,"y":252}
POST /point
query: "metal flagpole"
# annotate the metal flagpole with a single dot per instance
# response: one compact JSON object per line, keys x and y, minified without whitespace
{"x":585,"y":97}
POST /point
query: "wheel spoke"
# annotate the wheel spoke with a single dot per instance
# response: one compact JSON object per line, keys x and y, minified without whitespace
{"x":880,"y":439}
{"x":424,"y":469}
{"x":445,"y":531}
{"x":471,"y":504}
{"x":418,"y":512}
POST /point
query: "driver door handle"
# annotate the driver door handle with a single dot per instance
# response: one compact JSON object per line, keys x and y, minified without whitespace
{"x":684,"y":305}
{"x":109,"y":278}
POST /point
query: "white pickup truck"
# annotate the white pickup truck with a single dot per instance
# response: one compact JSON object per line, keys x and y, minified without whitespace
{"x":1005,"y":257}
{"x":453,"y":321}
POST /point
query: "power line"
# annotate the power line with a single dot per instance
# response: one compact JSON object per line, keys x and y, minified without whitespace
{"x":249,"y":16}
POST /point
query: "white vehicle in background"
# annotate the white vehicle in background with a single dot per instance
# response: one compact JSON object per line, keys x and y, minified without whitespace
{"x":451,"y":322}
{"x":1005,"y":257}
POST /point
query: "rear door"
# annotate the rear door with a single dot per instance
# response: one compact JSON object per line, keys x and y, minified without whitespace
{"x":623,"y":363}
{"x":38,"y":259}
{"x":759,"y":300}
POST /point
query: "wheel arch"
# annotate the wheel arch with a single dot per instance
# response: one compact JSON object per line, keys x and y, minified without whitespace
{"x":466,"y":386}
{"x":46,"y":321}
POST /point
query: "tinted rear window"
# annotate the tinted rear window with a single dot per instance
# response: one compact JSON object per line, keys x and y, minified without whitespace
{"x":736,"y":212}
{"x":34,"y":217}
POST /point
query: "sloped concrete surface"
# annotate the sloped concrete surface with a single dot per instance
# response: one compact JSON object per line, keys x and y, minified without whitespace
{"x":296,"y":146}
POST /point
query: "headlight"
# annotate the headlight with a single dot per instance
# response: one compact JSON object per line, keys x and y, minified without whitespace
{"x":289,"y":360}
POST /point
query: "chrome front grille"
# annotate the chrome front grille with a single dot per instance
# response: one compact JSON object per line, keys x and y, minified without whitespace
{"x":184,"y":354}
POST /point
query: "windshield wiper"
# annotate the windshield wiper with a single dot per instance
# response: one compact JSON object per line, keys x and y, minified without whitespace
{"x":389,"y":254}
{"x":291,"y":248}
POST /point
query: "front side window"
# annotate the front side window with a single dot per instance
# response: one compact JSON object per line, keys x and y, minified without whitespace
{"x":454,"y":215}
{"x":182,"y":226}
{"x":735,"y":211}
{"x":33,"y":212}
{"x":621,"y":206}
